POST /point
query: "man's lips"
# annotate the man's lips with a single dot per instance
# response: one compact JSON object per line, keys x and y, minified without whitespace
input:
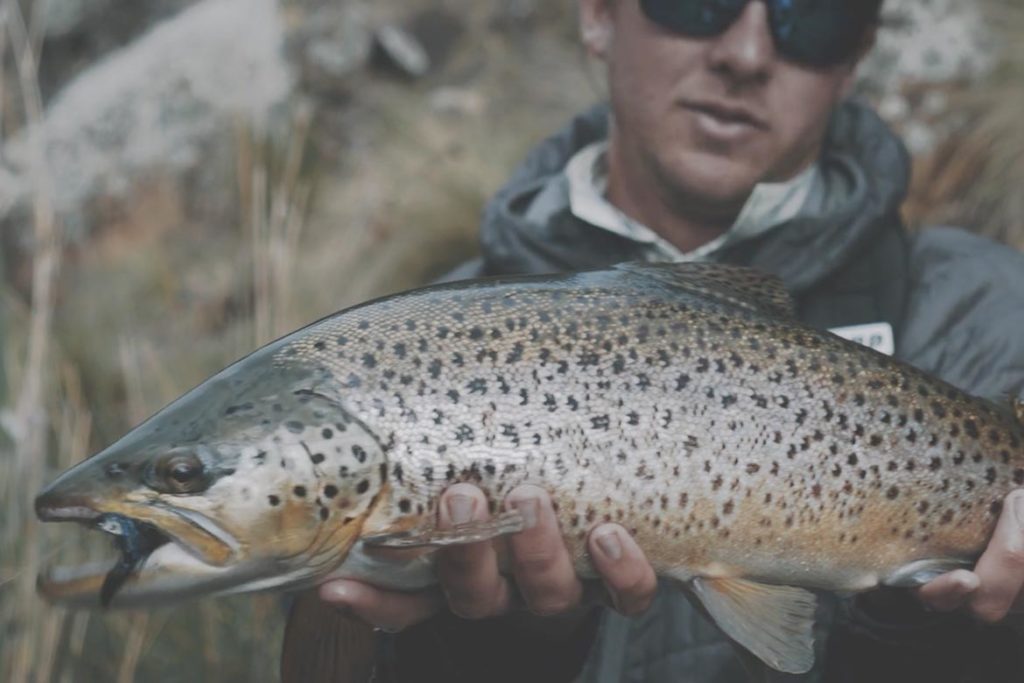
{"x":727,"y":112}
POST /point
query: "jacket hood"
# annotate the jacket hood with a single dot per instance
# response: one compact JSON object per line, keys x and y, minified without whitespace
{"x":528,"y":227}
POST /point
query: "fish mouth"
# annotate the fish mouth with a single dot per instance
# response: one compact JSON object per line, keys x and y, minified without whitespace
{"x":163,"y":554}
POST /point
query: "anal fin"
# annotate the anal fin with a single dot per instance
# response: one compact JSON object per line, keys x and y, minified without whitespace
{"x":775,"y":623}
{"x":473,"y":532}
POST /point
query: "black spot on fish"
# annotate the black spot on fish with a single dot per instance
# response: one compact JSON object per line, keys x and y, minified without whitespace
{"x":273,"y":500}
{"x":359,"y":453}
{"x":299,"y":491}
{"x":317,"y":458}
{"x":294,"y":426}
{"x":363,"y":486}
{"x":404,"y":505}
{"x":464,"y":433}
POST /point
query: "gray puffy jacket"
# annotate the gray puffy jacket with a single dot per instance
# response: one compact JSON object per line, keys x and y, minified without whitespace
{"x":956,"y":304}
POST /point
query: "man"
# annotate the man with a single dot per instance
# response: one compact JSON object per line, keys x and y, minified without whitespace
{"x":728,"y":140}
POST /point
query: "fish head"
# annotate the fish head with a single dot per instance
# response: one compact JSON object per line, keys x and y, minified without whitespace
{"x":256,"y":479}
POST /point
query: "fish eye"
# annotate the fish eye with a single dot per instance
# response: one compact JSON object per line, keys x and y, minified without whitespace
{"x":181,"y":473}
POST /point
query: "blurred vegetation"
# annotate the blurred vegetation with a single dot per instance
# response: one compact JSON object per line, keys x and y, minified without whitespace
{"x":341,"y":199}
{"x":348,"y":195}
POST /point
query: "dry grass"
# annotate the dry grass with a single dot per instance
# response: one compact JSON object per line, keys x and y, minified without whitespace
{"x":975,"y":178}
{"x":159,"y":300}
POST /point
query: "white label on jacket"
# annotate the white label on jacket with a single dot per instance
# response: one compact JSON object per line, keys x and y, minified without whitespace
{"x":877,"y":336}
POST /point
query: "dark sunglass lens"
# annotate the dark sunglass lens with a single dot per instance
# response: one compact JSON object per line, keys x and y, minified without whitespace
{"x":697,"y":18}
{"x":818,"y":32}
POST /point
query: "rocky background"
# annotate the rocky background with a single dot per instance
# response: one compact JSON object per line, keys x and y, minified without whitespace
{"x":181,"y":180}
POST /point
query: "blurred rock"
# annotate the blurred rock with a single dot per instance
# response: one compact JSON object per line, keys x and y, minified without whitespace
{"x":514,"y":14}
{"x":457,"y":101}
{"x":421,"y":44}
{"x":399,"y":49}
{"x":79,"y":32}
{"x":923,"y":48}
{"x":163,"y":105}
{"x":439,"y":31}
{"x":330,"y":46}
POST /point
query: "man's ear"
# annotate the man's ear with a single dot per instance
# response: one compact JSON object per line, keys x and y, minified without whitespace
{"x":596,"y":26}
{"x":867,"y":44}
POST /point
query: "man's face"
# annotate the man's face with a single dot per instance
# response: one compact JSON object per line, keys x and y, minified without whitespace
{"x":706,"y":119}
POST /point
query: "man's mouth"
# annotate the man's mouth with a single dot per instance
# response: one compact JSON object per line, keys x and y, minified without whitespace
{"x":727,"y":120}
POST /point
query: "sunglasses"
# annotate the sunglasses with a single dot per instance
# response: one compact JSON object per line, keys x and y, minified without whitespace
{"x":815,"y":33}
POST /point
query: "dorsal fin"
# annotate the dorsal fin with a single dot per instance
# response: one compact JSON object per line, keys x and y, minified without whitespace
{"x":744,"y":288}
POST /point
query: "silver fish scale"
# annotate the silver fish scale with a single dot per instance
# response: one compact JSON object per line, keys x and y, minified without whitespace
{"x":726,"y":441}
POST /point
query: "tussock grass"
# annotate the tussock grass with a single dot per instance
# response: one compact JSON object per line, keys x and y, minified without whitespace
{"x":974,"y":179}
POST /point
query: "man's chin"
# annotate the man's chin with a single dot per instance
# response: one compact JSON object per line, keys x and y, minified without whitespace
{"x":713,"y":180}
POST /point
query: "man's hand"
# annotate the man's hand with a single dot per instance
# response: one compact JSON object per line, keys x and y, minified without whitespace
{"x":542,"y":569}
{"x":996,"y":586}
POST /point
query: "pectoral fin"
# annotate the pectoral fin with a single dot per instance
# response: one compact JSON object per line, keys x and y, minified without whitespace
{"x":506,"y":523}
{"x":774,"y":622}
{"x":921,"y":572}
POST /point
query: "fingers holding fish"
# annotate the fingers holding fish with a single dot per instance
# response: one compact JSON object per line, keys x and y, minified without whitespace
{"x":627,"y":574}
{"x":388,"y":610}
{"x":543,"y":569}
{"x":1001,"y":567}
{"x":949,"y":591}
{"x":469,"y":573}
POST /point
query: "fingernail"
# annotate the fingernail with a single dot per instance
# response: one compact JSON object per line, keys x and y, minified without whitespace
{"x":527,"y":507}
{"x":461,"y":508}
{"x":335,"y":592}
{"x":967,"y":582}
{"x":1018,"y":507}
{"x":608,"y":542}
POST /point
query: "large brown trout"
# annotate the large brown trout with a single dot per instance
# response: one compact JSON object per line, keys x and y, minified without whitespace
{"x":754,"y":459}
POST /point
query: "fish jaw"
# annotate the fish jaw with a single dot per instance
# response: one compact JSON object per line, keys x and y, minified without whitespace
{"x":169,"y":574}
{"x":196,"y":533}
{"x":174,"y":572}
{"x":181,"y":549}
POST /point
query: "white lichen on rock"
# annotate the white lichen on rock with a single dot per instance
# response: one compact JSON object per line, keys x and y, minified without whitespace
{"x":154,"y":105}
{"x":923,"y":46}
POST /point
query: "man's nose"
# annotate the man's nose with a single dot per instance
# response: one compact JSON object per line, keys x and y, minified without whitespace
{"x":745,"y":51}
